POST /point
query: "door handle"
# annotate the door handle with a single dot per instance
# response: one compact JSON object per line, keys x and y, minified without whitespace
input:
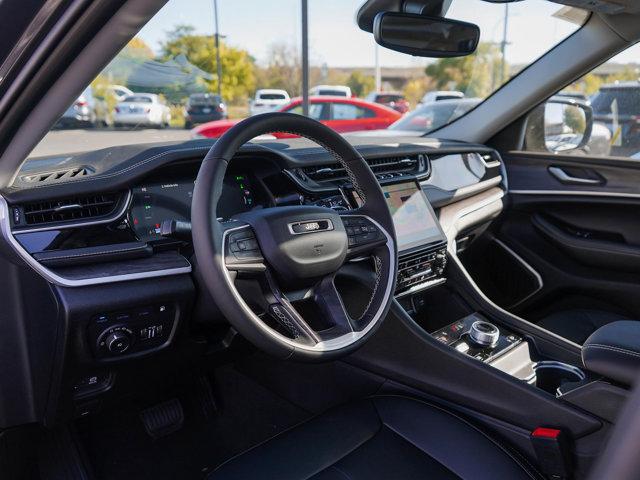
{"x":567,"y":179}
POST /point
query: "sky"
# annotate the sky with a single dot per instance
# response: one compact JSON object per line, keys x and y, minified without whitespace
{"x":334,"y":37}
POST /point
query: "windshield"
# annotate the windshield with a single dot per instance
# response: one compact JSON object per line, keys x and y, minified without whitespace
{"x":182,"y":60}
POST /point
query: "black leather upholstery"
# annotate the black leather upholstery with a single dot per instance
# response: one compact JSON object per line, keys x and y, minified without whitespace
{"x":576,"y":325}
{"x":614,"y":351}
{"x":387,"y":437}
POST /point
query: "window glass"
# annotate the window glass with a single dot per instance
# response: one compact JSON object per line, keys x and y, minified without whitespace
{"x":612,"y":92}
{"x":180,"y":57}
{"x":346,"y":111}
{"x":316,"y":111}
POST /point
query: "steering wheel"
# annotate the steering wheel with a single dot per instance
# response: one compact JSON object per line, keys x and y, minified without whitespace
{"x":293,"y":252}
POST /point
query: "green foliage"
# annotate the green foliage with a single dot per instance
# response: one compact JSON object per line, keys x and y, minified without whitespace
{"x":476,"y":75}
{"x":360,"y":83}
{"x":238,"y":76}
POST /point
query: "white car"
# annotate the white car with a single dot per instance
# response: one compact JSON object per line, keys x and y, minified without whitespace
{"x":146,"y":109}
{"x":331,"y":90}
{"x":268,"y":100}
{"x":437,"y":95}
{"x":119,"y":92}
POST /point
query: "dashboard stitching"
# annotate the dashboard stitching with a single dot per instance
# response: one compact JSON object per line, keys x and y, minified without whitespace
{"x":124,"y":170}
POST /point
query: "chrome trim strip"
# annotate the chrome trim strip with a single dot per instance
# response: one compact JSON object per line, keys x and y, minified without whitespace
{"x":492,"y":164}
{"x":120,"y":213}
{"x":523,"y":262}
{"x":421,"y":286}
{"x":324,"y":346}
{"x":50,"y":276}
{"x":586,"y":193}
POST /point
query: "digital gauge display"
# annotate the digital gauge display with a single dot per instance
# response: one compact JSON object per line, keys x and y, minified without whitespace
{"x":156,"y":202}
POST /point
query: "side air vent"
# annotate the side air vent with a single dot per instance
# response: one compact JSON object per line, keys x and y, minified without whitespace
{"x":67,"y":209}
{"x":58,"y":175}
{"x":387,"y":167}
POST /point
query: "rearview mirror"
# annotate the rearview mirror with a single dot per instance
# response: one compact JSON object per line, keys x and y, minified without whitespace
{"x":424,"y":36}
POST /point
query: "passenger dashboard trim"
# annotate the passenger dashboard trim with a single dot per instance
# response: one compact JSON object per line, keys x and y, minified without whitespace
{"x":52,"y":277}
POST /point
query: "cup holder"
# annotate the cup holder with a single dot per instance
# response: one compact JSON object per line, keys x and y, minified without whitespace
{"x":552,"y":376}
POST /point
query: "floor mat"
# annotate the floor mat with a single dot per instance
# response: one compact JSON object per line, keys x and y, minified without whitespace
{"x":248,"y":413}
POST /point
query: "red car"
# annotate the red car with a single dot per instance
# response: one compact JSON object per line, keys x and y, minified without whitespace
{"x":340,"y":113}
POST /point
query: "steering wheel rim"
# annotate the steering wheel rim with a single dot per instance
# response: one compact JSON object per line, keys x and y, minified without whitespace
{"x":282,"y":255}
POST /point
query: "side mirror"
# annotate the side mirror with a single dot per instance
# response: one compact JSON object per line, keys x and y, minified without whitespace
{"x":424,"y":36}
{"x":560,"y":125}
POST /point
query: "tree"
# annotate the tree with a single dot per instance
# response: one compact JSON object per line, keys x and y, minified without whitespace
{"x":360,"y":83}
{"x":238,"y":76}
{"x":416,"y":88}
{"x":477,"y":75}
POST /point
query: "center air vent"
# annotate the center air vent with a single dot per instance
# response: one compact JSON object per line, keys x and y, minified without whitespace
{"x":407,"y":164}
{"x":58,"y":175}
{"x":66,"y":209}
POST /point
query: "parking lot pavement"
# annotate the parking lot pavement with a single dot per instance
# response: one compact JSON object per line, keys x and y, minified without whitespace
{"x":69,"y":141}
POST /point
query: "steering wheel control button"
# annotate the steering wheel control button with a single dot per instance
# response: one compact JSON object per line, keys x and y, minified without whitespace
{"x":484,"y":333}
{"x":361,"y":231}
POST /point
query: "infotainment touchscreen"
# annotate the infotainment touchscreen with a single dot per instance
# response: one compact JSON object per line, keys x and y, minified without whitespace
{"x":413,"y":217}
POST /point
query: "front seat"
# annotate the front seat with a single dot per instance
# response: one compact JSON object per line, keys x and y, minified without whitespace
{"x":384,"y":437}
{"x":578,"y":324}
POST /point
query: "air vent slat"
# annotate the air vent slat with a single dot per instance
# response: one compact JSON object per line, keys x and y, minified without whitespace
{"x":412,"y":164}
{"x":72,"y":208}
{"x":58,"y":175}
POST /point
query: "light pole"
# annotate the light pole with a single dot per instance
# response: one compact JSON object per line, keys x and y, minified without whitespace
{"x":217,"y":42}
{"x":305,"y":58}
{"x":503,"y":45}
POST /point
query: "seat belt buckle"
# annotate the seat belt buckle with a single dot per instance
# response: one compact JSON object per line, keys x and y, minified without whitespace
{"x":552,"y":452}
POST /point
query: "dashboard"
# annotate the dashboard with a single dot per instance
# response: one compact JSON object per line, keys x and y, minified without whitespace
{"x":97,"y":246}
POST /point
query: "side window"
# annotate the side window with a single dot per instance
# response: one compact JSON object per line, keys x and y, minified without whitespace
{"x":317,"y":111}
{"x":347,"y":111}
{"x":597,"y":115}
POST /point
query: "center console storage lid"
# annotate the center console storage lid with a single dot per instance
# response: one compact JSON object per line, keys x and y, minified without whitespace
{"x":614,"y":351}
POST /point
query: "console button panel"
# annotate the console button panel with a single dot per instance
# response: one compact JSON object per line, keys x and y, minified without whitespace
{"x":134,"y":331}
{"x":456,"y":335}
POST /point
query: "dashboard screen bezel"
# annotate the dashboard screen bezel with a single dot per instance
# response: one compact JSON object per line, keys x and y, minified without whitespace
{"x":436,"y":235}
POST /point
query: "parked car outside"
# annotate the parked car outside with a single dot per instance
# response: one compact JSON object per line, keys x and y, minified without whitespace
{"x":617,"y":106}
{"x":87,"y":111}
{"x":393,"y":100}
{"x":268,"y":100}
{"x":434,"y":114}
{"x":202,"y":108}
{"x":339,"y":113}
{"x":438,"y":95}
{"x":119,"y":92}
{"x":331,"y":90}
{"x":146,"y":109}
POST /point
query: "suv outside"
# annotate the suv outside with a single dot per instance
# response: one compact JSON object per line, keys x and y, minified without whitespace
{"x":617,"y":106}
{"x":268,"y":100}
{"x":390,"y":99}
{"x":202,"y":108}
